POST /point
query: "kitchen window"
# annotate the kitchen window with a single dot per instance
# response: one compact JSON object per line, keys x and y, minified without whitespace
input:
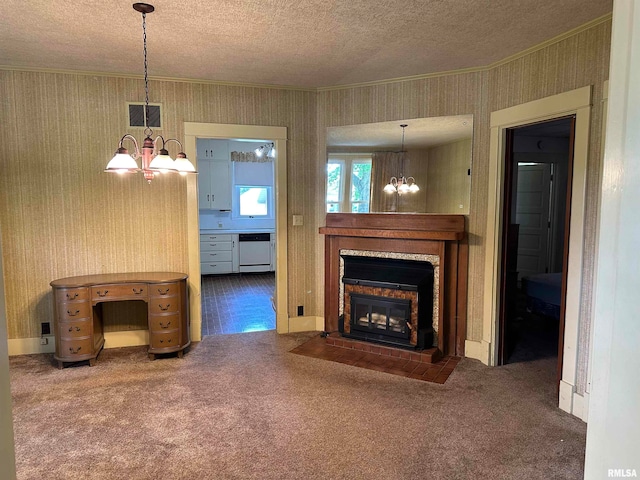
{"x":254,"y":201}
{"x":348,"y":183}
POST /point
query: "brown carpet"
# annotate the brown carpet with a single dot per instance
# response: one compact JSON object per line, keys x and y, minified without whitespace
{"x":242,"y":406}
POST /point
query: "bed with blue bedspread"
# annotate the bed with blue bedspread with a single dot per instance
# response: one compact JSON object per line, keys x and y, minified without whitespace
{"x":544,"y":293}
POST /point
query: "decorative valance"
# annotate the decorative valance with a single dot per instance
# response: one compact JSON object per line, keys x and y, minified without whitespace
{"x":249,"y":157}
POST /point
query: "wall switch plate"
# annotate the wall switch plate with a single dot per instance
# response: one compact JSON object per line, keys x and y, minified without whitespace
{"x":44,"y":341}
{"x":298,"y":221}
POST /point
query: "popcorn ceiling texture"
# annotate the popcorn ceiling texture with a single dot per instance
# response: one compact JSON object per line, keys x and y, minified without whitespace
{"x":301,"y":43}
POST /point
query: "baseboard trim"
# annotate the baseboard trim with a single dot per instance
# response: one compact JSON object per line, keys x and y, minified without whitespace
{"x":126,"y":338}
{"x":306,"y":324}
{"x":477,"y":350}
{"x":31,"y":346}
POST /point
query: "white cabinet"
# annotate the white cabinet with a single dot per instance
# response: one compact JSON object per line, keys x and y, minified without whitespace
{"x":212,"y":149}
{"x":214,"y":185}
{"x":218,"y":253}
{"x":214,"y":179}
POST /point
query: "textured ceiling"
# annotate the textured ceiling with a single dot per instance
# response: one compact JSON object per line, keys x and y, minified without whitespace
{"x":419,"y":133}
{"x":303,"y":43}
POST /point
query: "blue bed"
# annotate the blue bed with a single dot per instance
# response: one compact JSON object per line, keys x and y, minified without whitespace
{"x":544,"y":293}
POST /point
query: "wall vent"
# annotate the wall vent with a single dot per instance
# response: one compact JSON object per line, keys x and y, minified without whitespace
{"x":137,"y":117}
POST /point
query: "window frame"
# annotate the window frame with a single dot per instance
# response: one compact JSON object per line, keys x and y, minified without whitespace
{"x":346,"y":161}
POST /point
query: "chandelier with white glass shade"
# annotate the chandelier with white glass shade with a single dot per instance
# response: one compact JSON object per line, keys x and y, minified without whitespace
{"x":402,"y":184}
{"x":154,"y":160}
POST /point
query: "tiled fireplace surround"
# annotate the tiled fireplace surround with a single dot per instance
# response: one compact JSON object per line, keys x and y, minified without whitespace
{"x":437,"y":239}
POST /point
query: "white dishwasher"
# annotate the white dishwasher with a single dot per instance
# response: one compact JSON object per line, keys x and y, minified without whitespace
{"x":254,"y":251}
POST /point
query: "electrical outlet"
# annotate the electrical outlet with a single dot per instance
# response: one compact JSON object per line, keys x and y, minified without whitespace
{"x":300,"y":311}
{"x":44,"y":341}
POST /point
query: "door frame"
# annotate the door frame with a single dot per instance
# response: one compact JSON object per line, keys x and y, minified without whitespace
{"x":508,"y":185}
{"x":278,"y":135}
{"x":575,"y":102}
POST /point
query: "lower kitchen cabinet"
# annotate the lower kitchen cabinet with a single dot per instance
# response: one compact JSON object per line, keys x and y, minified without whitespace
{"x":218,"y":253}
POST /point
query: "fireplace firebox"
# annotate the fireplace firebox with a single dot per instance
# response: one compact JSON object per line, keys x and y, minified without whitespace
{"x":388,"y":300}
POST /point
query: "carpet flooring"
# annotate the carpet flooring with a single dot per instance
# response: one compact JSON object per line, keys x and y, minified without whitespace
{"x":243,"y":407}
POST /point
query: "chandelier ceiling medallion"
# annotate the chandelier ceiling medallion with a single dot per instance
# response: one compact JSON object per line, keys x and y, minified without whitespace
{"x":154,"y":160}
{"x":402,"y":184}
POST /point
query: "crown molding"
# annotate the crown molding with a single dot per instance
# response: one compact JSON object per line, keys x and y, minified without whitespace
{"x":557,"y":39}
{"x":154,"y":78}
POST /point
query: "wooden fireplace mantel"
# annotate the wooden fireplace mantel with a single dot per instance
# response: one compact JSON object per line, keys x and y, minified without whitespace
{"x":442,"y":235}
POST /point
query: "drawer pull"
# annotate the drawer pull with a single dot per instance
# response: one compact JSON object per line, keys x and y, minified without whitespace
{"x":73,"y":314}
{"x":168,"y":341}
{"x":137,"y":291}
{"x":162,"y":325}
{"x":72,"y":297}
{"x":163,"y":292}
{"x":165,"y":308}
{"x":77,"y":329}
{"x":103,"y":294}
{"x":213,"y":244}
{"x":75,"y":351}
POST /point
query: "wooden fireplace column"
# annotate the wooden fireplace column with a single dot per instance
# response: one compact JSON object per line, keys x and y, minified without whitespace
{"x":441,"y":235}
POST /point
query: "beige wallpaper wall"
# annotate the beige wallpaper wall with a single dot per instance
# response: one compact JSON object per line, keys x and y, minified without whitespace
{"x":448,"y":184}
{"x":60,"y":215}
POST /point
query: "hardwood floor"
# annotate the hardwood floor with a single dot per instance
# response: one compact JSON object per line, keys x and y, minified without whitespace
{"x":237,"y":303}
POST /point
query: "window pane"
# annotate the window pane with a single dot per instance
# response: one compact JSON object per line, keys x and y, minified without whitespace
{"x":254,"y":201}
{"x":334,"y":176}
{"x":360,"y":186}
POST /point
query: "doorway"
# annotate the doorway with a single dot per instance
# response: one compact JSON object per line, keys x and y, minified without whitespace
{"x":536,"y":225}
{"x":573,"y":102}
{"x":193,"y":131}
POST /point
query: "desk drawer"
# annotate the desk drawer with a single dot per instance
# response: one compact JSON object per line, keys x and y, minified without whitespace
{"x":78,"y":346}
{"x":73,"y":311}
{"x":215,"y":237}
{"x":164,"y":290}
{"x":161,"y":323}
{"x":120,"y":292}
{"x":76,"y":329}
{"x":72,"y":294}
{"x":164,"y":305}
{"x":167,"y":339}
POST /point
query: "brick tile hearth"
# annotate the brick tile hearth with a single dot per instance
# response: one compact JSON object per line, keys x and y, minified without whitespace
{"x":424,"y":365}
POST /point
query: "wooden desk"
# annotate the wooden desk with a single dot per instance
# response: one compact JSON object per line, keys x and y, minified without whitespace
{"x":78,"y":317}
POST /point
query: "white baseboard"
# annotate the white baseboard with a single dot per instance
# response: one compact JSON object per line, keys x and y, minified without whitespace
{"x":581,"y":406}
{"x":572,"y":402}
{"x":126,"y":338}
{"x":478,"y":350}
{"x":306,"y":324}
{"x":30,"y":346}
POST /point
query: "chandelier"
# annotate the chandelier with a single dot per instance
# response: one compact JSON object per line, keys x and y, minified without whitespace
{"x":154,"y":160}
{"x":402,"y":184}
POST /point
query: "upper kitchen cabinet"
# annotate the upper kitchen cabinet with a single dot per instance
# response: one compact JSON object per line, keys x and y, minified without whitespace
{"x":212,"y":149}
{"x":214,"y":179}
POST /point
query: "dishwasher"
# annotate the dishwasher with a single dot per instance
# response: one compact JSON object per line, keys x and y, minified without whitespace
{"x":254,"y":252}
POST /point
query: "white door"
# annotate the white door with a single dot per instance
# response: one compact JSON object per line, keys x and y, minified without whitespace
{"x":532,"y":214}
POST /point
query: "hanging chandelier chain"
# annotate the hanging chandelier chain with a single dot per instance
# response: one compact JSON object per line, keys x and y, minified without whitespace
{"x":147,"y":130}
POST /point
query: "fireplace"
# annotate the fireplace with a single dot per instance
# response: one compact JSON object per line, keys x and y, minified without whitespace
{"x":388,"y":300}
{"x":437,"y":239}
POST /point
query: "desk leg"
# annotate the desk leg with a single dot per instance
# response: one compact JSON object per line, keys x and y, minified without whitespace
{"x":92,"y":362}
{"x":180,"y":353}
{"x":152,"y":357}
{"x":60,"y":364}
